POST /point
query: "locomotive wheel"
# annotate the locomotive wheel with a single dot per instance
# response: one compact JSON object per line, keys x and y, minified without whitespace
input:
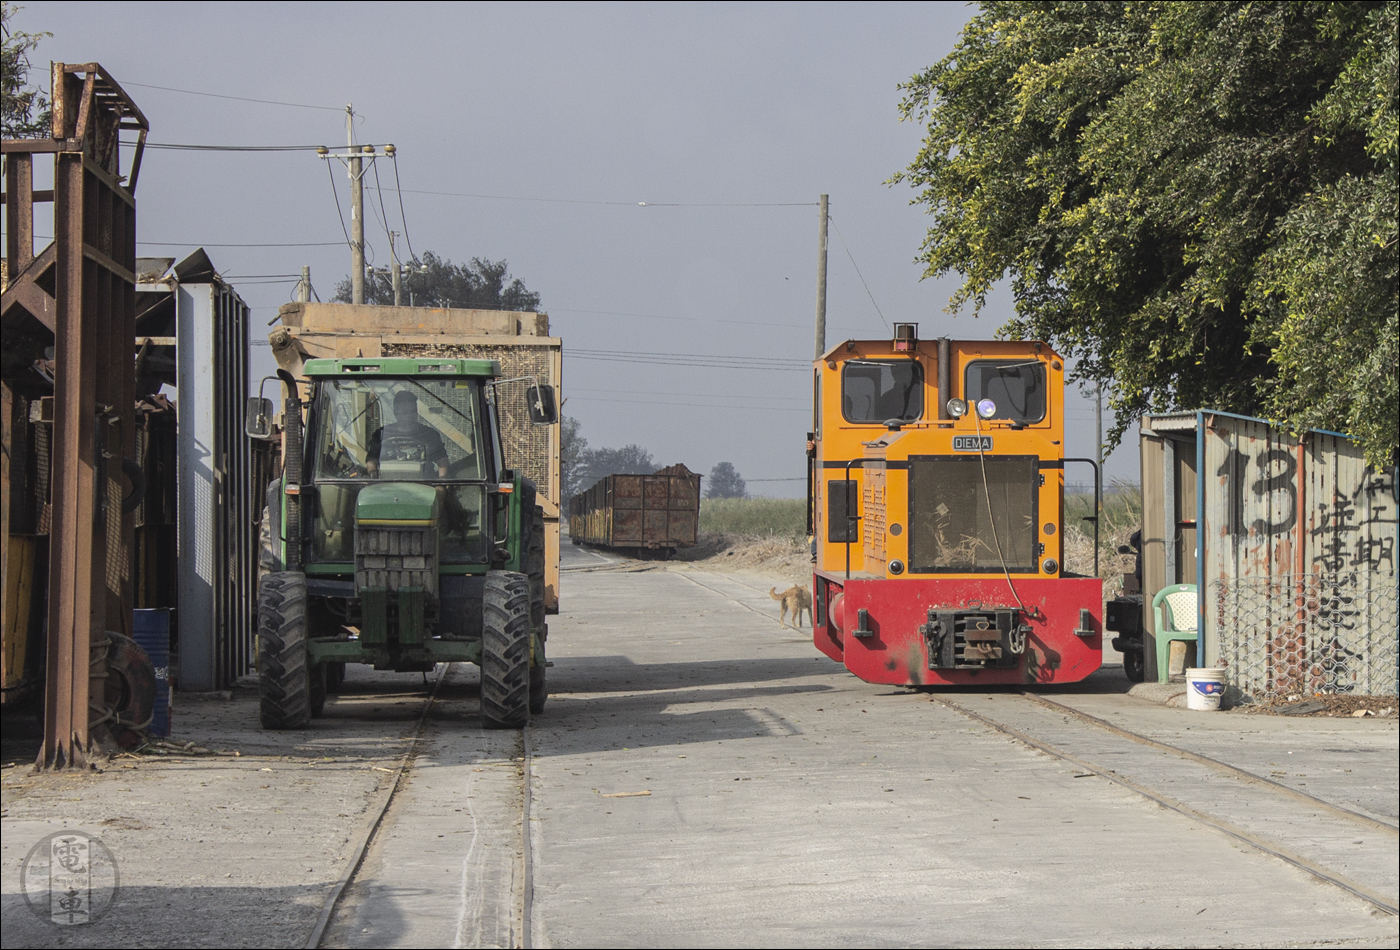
{"x":284,"y":674}
{"x":505,"y":650}
{"x":1134,"y":665}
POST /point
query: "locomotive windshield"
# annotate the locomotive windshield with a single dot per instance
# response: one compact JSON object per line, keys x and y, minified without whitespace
{"x":951,"y":526}
{"x":1016,"y":386}
{"x":878,"y":391}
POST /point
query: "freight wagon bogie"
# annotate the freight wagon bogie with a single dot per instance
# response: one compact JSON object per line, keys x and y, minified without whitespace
{"x":937,"y":514}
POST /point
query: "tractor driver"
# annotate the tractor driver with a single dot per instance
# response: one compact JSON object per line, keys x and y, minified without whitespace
{"x":407,"y":426}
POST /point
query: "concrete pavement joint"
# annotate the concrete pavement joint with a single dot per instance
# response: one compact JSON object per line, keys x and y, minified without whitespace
{"x":1379,"y":901}
{"x":1231,"y":770}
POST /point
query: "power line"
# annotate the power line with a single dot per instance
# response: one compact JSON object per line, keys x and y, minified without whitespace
{"x":620,"y":204}
{"x":756,"y":361}
{"x":578,"y":389}
{"x":398,"y":186}
{"x":229,"y":148}
{"x":662,"y":316}
{"x":49,"y":237}
{"x":858,"y":273}
{"x":696,"y":405}
{"x":343,"y":229}
{"x":215,"y":95}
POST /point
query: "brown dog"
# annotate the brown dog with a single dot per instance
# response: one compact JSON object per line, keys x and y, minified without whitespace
{"x":795,"y":600}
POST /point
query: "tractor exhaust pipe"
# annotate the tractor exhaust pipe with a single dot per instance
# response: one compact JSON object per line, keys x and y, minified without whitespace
{"x":291,"y":469}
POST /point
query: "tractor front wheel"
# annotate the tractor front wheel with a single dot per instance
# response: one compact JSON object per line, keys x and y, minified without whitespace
{"x":284,"y":670}
{"x":505,"y":650}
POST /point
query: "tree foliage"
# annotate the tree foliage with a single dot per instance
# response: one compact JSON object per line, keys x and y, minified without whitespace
{"x":1196,"y":200}
{"x":580,"y":467}
{"x":726,"y":482}
{"x":24,"y":110}
{"x":437,"y":282}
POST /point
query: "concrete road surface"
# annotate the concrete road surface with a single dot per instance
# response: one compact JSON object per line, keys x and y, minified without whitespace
{"x":702,"y":777}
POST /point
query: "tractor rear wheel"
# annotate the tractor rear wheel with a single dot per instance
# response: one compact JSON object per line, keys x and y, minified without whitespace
{"x":534,"y":569}
{"x":505,"y":650}
{"x":284,"y":674}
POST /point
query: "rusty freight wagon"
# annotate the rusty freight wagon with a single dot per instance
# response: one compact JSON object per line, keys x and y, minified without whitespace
{"x":655,"y":513}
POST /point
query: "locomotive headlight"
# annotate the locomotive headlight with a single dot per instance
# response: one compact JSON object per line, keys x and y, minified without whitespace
{"x":896,"y":566}
{"x":957,"y":408}
{"x":986,"y":408}
{"x":1050,"y":565}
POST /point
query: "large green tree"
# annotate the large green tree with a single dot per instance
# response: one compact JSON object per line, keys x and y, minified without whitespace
{"x":437,"y":282}
{"x":1196,"y":200}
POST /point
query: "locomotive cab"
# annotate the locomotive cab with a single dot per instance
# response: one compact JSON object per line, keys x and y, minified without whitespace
{"x":937,"y":510}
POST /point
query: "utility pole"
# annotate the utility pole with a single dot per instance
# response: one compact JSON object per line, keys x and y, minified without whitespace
{"x":1098,"y":459}
{"x":357,"y":211}
{"x":395,"y":272}
{"x":304,"y":288}
{"x":821,"y":280}
{"x":353,"y":159}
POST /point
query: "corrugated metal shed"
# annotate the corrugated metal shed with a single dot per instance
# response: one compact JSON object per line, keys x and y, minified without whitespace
{"x":1295,"y":556}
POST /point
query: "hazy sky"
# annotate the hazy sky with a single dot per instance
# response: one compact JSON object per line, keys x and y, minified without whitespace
{"x":741,"y":115}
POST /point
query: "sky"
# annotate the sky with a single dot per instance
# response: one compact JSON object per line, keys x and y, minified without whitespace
{"x":535,"y":134}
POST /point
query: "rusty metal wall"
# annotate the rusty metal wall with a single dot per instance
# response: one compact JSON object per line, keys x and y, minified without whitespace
{"x":1299,"y":571}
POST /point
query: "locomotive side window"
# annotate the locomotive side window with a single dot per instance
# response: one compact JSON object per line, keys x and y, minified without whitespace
{"x":878,"y":391}
{"x":950,"y":526}
{"x":1016,"y":386}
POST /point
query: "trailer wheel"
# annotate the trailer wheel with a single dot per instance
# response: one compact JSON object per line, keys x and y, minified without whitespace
{"x":1134,"y":665}
{"x":335,"y":677}
{"x":319,"y":679}
{"x":534,"y":570}
{"x":505,"y":650}
{"x":284,"y":674}
{"x":269,"y":556}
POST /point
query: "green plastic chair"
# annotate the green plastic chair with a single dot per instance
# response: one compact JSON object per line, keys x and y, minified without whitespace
{"x":1174,"y":615}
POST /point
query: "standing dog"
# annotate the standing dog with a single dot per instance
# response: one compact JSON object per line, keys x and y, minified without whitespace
{"x":795,"y":600}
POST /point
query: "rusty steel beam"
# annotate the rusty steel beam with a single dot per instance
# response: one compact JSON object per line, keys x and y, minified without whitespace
{"x":91,"y":314}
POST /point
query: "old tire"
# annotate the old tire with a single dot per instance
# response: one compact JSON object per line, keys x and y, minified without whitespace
{"x":1134,"y":665}
{"x":284,"y":673}
{"x":505,"y":650}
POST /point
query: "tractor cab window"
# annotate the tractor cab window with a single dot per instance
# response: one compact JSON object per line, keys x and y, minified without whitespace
{"x":1017,"y":387}
{"x":879,"y":391}
{"x":398,"y":429}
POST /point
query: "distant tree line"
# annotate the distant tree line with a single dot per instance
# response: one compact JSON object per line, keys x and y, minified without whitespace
{"x":581,"y":466}
{"x":434,"y":281}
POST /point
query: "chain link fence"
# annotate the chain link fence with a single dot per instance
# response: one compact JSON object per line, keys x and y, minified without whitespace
{"x":1302,"y":634}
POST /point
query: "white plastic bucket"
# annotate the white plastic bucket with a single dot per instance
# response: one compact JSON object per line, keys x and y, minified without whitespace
{"x":1204,"y":687}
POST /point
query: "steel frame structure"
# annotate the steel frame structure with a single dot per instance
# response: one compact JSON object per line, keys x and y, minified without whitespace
{"x":78,"y":296}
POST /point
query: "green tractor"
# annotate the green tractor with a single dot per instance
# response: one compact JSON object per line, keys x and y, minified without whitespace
{"x":397,"y":536}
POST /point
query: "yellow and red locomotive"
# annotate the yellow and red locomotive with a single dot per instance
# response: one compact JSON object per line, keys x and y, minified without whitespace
{"x":937,"y":514}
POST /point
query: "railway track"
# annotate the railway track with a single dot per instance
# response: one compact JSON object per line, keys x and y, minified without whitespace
{"x":1316,"y":836}
{"x":331,"y":920}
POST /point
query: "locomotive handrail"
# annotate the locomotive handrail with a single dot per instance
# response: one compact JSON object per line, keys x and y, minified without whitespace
{"x":1098,"y":488}
{"x":850,"y":518}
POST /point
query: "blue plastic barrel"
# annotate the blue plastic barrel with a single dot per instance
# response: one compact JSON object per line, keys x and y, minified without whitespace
{"x":151,"y":629}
